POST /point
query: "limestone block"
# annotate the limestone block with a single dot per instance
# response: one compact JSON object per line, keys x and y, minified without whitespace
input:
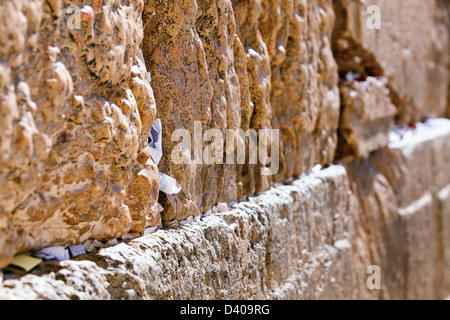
{"x":407,"y":166}
{"x":403,"y":223}
{"x":416,"y":165}
{"x":292,"y":242}
{"x":379,"y":236}
{"x":304,"y":92}
{"x":367,"y":117}
{"x":241,"y":65}
{"x":76,"y":112}
{"x":410,"y":48}
{"x":444,"y":209}
{"x":194,"y":78}
{"x":440,"y":141}
{"x":418,"y":222}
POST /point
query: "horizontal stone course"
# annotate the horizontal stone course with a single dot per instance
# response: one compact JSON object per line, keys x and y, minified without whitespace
{"x":312,"y":239}
{"x":292,"y":242}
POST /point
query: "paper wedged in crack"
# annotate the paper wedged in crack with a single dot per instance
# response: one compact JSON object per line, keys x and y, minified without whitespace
{"x":241,"y":65}
{"x":76,"y":112}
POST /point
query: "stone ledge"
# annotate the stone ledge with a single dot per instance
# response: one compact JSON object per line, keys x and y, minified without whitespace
{"x":291,"y":242}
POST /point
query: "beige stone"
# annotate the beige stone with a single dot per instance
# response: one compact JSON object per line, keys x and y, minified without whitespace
{"x":416,"y":165}
{"x":283,"y":244}
{"x":304,"y":93}
{"x":411,"y":49}
{"x":379,"y":237}
{"x":440,"y":157}
{"x":407,"y":166}
{"x":403,"y":222}
{"x":444,"y":209}
{"x":418,"y":222}
{"x":242,"y":65}
{"x":367,"y":117}
{"x":76,"y":110}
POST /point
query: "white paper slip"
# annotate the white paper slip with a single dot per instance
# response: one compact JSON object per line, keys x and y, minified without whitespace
{"x":168,"y":184}
{"x":53,"y":254}
{"x":155,"y":144}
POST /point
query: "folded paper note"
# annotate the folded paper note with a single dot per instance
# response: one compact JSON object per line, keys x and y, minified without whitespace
{"x":76,"y":250}
{"x":23,"y":264}
{"x":155,"y":144}
{"x":53,"y":254}
{"x":168,"y":184}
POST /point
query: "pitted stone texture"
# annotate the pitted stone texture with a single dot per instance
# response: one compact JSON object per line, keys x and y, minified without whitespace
{"x":189,"y":49}
{"x":304,"y":94}
{"x":411,"y":49}
{"x":241,"y":65}
{"x":291,"y":242}
{"x":367,"y":117}
{"x":76,"y":110}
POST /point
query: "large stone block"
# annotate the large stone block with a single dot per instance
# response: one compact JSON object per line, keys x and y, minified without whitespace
{"x":241,"y":65}
{"x":304,"y":94}
{"x":444,"y":209}
{"x":76,"y":112}
{"x":411,"y":49}
{"x":379,"y":237}
{"x":367,"y":117}
{"x":440,"y":142}
{"x":292,"y":242}
{"x":421,"y":245}
{"x":417,"y":164}
{"x":403,"y":219}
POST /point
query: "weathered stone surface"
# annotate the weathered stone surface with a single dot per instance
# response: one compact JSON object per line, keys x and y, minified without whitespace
{"x":379,"y":237}
{"x":411,"y":49}
{"x":444,"y":209}
{"x":313,"y":239}
{"x":403,"y":219}
{"x":241,"y":65}
{"x":417,"y":165}
{"x":367,"y":117}
{"x":304,"y":81}
{"x":418,"y":222}
{"x":76,"y":110}
{"x":290,"y":242}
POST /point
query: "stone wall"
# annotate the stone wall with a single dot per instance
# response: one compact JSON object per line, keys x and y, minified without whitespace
{"x":311,"y":239}
{"x":76,"y":112}
{"x":241,"y":65}
{"x":75,"y":166}
{"x":282,"y":244}
{"x":403,"y":218}
{"x":411,"y":49}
